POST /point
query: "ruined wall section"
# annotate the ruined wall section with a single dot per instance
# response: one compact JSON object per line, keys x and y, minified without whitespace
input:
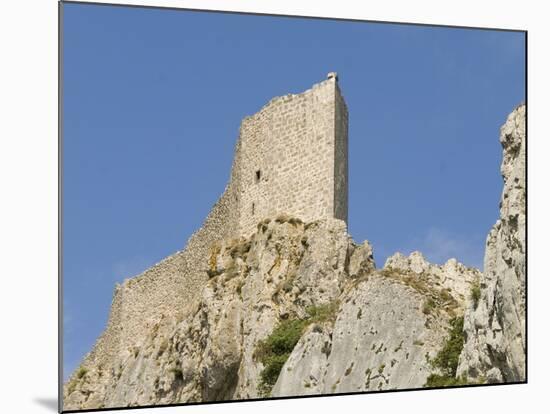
{"x":287,"y":158}
{"x":164,"y":291}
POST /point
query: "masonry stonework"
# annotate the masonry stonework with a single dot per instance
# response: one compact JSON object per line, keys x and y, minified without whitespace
{"x":291,"y":157}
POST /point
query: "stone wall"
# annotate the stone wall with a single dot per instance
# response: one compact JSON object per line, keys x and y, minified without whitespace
{"x":292,"y":158}
{"x":165,"y":290}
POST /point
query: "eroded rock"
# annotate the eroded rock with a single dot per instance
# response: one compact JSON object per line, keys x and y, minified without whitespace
{"x":390,"y":325}
{"x":495,"y":326}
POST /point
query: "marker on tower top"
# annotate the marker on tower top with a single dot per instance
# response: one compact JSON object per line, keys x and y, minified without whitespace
{"x":332,"y":75}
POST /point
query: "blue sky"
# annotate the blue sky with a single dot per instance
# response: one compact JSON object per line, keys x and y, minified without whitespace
{"x":153,"y":100}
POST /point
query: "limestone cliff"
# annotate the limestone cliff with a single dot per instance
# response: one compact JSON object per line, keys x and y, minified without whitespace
{"x":494,"y":325}
{"x":283,"y":269}
{"x":299,"y":308}
{"x":357,"y":328}
{"x":389,"y":327}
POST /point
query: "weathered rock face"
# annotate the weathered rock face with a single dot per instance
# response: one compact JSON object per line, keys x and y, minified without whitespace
{"x":389,"y":326}
{"x":495,"y":326}
{"x":453,"y":276}
{"x":140,"y":304}
{"x":384,"y":328}
{"x":208,"y":355}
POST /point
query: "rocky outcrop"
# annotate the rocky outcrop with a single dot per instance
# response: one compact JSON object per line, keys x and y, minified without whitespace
{"x":208,"y":355}
{"x":378,"y":329}
{"x":390,"y":326}
{"x":166,"y":290}
{"x":452,"y":276}
{"x":494,"y":325}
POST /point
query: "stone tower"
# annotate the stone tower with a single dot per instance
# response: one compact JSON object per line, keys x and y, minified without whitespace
{"x":292,"y":157}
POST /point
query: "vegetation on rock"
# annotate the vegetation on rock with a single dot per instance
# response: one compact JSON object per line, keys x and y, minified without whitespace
{"x":273,"y":351}
{"x":81,"y":372}
{"x":475,"y":293}
{"x":446,"y":360}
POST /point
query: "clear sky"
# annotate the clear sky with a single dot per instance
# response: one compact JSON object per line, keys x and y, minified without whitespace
{"x":153,"y":100}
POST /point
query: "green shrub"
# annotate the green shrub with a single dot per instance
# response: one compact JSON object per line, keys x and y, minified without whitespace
{"x":446,"y":360}
{"x":282,"y":340}
{"x":275,"y":350}
{"x":475,"y":293}
{"x":435,"y":380}
{"x":272,"y":369}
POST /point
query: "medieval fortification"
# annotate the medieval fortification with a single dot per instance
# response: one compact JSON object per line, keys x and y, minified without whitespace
{"x":290,"y":157}
{"x":274,"y":260}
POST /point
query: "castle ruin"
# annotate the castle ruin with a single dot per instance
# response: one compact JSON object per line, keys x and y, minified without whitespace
{"x":291,"y":157}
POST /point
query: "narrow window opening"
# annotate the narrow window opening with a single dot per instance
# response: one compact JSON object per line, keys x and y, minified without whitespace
{"x":258,"y":175}
{"x":253,"y":208}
